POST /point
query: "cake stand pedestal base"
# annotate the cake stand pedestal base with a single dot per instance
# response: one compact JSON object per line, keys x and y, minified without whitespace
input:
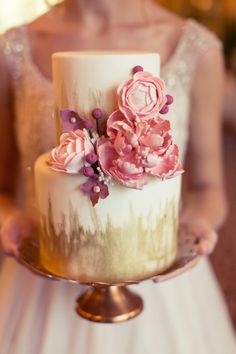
{"x":110,"y":304}
{"x":106,"y":302}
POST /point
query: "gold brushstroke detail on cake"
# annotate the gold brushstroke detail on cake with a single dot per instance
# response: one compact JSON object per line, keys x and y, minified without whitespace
{"x":113,"y":253}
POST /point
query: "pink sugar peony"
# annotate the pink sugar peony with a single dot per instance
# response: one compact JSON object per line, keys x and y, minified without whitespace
{"x":154,"y":141}
{"x":142,"y":97}
{"x":70,"y":155}
{"x":125,"y":169}
{"x":117,"y":122}
{"x":147,"y":146}
{"x":147,"y":137}
{"x":168,"y":165}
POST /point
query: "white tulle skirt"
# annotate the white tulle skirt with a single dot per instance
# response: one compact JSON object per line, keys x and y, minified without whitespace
{"x":186,"y":315}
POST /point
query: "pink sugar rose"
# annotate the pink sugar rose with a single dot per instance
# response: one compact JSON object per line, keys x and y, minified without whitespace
{"x":70,"y":155}
{"x":142,"y":97}
{"x":125,"y":169}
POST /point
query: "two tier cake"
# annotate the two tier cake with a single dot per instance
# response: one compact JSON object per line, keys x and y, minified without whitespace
{"x":108,"y":194}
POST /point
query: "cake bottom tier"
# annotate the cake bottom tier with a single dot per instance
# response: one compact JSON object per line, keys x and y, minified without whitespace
{"x":131,"y":235}
{"x":116,"y":259}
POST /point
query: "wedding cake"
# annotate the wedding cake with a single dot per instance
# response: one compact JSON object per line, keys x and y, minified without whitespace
{"x":108,"y":194}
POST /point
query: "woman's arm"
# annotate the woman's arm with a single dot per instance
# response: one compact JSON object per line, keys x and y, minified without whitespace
{"x":14,"y":225}
{"x":8,"y":151}
{"x":206,"y":203}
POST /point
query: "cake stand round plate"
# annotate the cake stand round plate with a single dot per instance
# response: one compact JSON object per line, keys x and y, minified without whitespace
{"x":112,"y":302}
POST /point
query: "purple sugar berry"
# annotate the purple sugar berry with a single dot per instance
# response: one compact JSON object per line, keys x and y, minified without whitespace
{"x":97,"y":113}
{"x":164,"y":110}
{"x":88,"y":171}
{"x":88,"y":124}
{"x":91,"y":158}
{"x":137,"y":68}
{"x":170,"y":99}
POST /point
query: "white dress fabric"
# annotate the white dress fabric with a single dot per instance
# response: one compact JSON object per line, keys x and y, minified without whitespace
{"x":186,"y":315}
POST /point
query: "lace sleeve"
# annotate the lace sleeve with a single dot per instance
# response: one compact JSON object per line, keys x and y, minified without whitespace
{"x":200,"y":40}
{"x":196,"y":41}
{"x":12,"y":46}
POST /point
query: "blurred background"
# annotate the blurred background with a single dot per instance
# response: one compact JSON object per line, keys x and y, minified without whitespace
{"x":220,"y":17}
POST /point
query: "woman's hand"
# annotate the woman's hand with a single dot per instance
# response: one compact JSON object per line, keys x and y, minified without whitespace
{"x":15,"y":228}
{"x":204,"y":233}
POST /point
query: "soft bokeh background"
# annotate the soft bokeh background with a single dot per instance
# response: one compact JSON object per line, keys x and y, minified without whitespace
{"x":220,"y":17}
{"x":15,"y":12}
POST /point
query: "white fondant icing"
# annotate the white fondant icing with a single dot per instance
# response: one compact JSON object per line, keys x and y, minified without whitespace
{"x":83,"y":81}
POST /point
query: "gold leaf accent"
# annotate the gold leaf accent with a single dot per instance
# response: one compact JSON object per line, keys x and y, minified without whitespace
{"x":111,"y":253}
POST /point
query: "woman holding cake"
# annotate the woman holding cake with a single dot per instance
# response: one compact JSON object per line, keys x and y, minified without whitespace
{"x":178,"y":318}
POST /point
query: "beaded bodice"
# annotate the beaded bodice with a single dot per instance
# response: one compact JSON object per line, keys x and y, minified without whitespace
{"x":34,"y":125}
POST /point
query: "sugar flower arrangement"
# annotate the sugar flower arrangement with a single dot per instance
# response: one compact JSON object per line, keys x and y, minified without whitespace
{"x":135,"y":143}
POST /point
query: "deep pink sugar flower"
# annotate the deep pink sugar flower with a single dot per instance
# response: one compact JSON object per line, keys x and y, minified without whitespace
{"x":125,"y":169}
{"x":70,"y":155}
{"x":95,"y":189}
{"x":142,"y":97}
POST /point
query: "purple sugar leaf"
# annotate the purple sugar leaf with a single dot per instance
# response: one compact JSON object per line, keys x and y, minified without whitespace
{"x":94,"y":198}
{"x":70,"y":120}
{"x":88,"y":189}
{"x":104,"y":191}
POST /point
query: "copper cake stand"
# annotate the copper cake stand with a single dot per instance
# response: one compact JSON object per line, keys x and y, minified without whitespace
{"x":112,"y":303}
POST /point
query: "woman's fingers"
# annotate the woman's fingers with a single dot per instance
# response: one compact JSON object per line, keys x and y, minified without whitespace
{"x":205,"y":234}
{"x":15,"y":228}
{"x":207,"y":241}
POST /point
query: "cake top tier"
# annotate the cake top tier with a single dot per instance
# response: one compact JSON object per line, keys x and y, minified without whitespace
{"x":84,"y":80}
{"x":110,"y":108}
